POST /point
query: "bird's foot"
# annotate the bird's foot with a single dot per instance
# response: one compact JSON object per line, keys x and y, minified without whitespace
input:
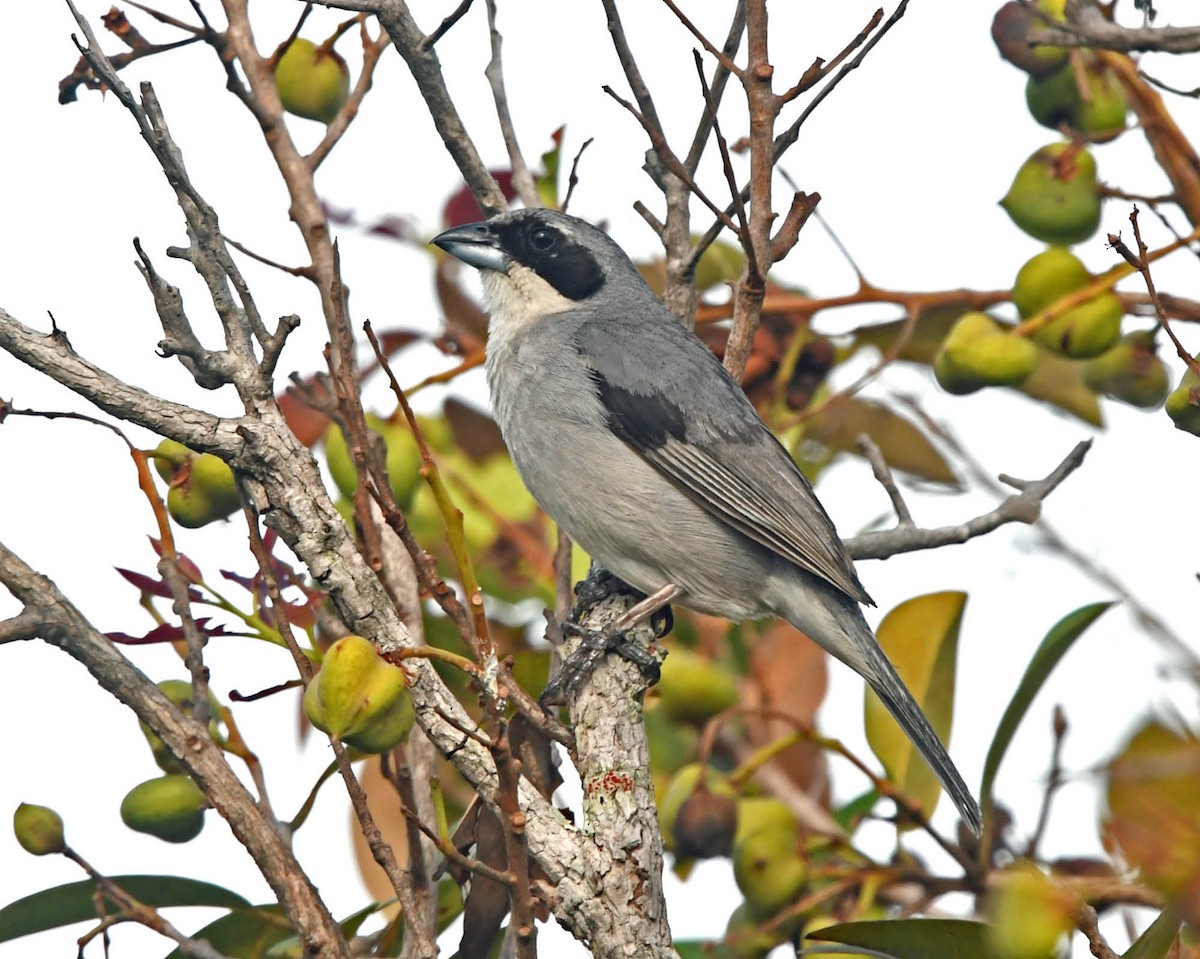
{"x":595,"y":644}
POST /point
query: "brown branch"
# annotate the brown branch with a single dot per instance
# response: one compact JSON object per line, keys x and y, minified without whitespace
{"x":722,"y":56}
{"x":1054,"y":782}
{"x":1141,"y":263}
{"x":1088,"y":27}
{"x":521,"y":177}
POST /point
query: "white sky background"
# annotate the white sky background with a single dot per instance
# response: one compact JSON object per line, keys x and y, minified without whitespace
{"x":910,"y":156}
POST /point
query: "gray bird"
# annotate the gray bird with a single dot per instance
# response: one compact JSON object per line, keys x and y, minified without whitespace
{"x":632,"y":437}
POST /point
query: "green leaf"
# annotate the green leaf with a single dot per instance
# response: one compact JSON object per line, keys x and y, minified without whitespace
{"x":248,"y":933}
{"x":1053,"y":647}
{"x":920,"y":637}
{"x":547,"y":182}
{"x":1156,"y":941}
{"x":73,"y":902}
{"x":913,"y":938}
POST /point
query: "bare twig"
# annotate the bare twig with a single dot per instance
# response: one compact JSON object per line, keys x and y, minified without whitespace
{"x":1054,"y":782}
{"x":522,"y":178}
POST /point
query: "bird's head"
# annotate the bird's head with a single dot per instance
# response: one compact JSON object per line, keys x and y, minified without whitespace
{"x":538,"y":262}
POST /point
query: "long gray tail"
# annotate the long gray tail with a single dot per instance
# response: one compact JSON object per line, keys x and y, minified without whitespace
{"x":856,"y":646}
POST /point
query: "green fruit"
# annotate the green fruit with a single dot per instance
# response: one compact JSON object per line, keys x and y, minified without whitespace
{"x":359,"y":698}
{"x":977,"y":353}
{"x":1047,"y":278}
{"x":1183,"y":403}
{"x":170,"y":807}
{"x":692,"y":688}
{"x":1056,"y":100}
{"x":762,"y":812}
{"x":1086,"y":330}
{"x":1130,"y":372}
{"x":1029,"y":914}
{"x":768,"y":870}
{"x":179,"y":691}
{"x":681,"y":787}
{"x":169,"y":457}
{"x":202,"y":488}
{"x":720,"y":263}
{"x":746,"y":939}
{"x":403,"y":461}
{"x":1055,"y":197}
{"x":313,"y":81}
{"x":38,"y":829}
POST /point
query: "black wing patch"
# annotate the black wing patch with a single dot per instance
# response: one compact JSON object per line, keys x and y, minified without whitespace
{"x":776,"y":509}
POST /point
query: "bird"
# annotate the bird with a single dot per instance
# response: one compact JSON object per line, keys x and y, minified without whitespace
{"x":632,"y":436}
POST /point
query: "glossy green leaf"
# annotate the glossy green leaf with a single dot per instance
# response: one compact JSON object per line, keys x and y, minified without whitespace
{"x":73,"y":902}
{"x":920,"y":637}
{"x":912,"y":938}
{"x":1156,"y":941}
{"x":249,"y":933}
{"x":1053,"y":647}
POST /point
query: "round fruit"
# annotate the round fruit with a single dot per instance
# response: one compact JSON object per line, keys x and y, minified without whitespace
{"x":170,"y":807}
{"x":1056,"y":100}
{"x":746,"y":939}
{"x":977,"y":353}
{"x":689,"y":779}
{"x":169,"y":457}
{"x":403,"y":460}
{"x":313,"y":81}
{"x":359,"y":697}
{"x":1183,"y":404}
{"x":1029,"y":914}
{"x":1010,"y":31}
{"x":768,"y":870}
{"x":693,"y":688}
{"x":179,"y":691}
{"x":1046,"y":278}
{"x":202,"y":488}
{"x":1130,"y":372}
{"x":762,"y":812}
{"x":1086,"y":330}
{"x":1055,"y":197}
{"x":38,"y":829}
{"x":705,"y":824}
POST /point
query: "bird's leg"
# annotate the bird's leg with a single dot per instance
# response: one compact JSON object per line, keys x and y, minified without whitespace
{"x":594,"y":644}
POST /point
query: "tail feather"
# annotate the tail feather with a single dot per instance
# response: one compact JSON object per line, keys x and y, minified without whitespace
{"x":904,"y":709}
{"x":839,"y":627}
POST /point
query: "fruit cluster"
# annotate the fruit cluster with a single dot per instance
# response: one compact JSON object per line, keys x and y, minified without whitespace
{"x":1055,"y":197}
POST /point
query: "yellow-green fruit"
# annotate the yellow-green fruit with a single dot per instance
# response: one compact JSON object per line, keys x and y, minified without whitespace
{"x":38,"y":829}
{"x":169,"y":457}
{"x":202,"y":491}
{"x":1130,"y":372}
{"x":1029,"y":914}
{"x":762,"y":812}
{"x":359,"y":697}
{"x":1046,"y":278}
{"x":313,"y":81}
{"x":170,"y":807}
{"x":693,"y":688}
{"x":681,"y":787}
{"x":1086,"y":330}
{"x":1011,"y":28}
{"x":1055,"y":197}
{"x":403,"y":459}
{"x":720,"y":263}
{"x":768,"y":870}
{"x":1183,"y":404}
{"x":179,"y":691}
{"x":978,"y":353}
{"x":745,"y":938}
{"x":1056,"y":100}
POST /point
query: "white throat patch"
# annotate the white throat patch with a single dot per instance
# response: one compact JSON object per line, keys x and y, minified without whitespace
{"x":520,"y":297}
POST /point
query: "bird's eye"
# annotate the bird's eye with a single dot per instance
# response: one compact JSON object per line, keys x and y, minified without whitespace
{"x":542,"y":239}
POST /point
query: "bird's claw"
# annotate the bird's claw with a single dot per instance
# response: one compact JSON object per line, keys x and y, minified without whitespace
{"x":594,"y":645}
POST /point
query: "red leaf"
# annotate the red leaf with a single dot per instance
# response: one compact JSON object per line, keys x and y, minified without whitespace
{"x":461,"y":207}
